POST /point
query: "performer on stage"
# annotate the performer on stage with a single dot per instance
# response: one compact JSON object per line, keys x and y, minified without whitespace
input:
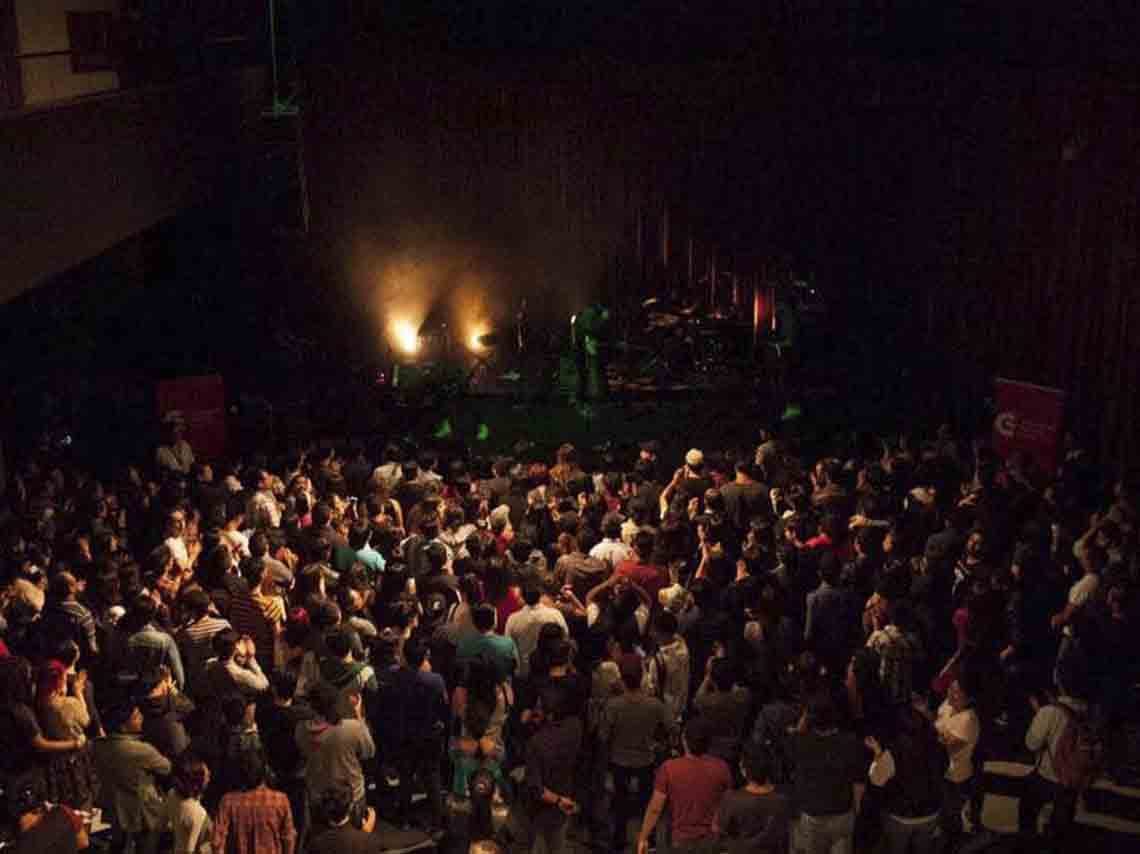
{"x":589,"y":327}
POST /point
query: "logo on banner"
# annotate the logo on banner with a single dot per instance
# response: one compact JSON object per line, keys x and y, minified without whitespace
{"x":1028,"y":419}
{"x":1006,"y":424}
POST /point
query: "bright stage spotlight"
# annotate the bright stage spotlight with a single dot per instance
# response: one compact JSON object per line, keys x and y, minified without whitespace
{"x":406,"y":336}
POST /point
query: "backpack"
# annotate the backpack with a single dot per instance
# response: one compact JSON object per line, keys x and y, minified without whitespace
{"x":1079,"y":755}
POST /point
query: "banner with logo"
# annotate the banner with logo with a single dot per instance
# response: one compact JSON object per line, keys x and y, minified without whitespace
{"x":201,"y":402}
{"x":1029,"y":418}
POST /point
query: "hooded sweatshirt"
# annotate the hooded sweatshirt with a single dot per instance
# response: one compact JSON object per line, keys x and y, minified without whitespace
{"x":334,"y":754}
{"x":348,"y":678}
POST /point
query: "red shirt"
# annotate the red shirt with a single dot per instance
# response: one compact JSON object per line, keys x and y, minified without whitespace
{"x":651,"y":578}
{"x":694,"y":786}
{"x":506,"y":606}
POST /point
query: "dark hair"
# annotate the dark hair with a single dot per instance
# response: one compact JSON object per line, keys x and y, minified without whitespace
{"x":666,"y":623}
{"x":415,"y":652}
{"x":251,"y":769}
{"x":118,"y":716}
{"x":259,"y":544}
{"x":322,"y":515}
{"x":698,"y":736}
{"x":324,"y":699}
{"x":821,"y":712}
{"x":190,"y":774}
{"x":197,"y":602}
{"x":225,"y":644}
{"x":66,"y":651}
{"x":611,"y":527}
{"x":532,"y":592}
{"x":553,"y":698}
{"x":643,"y":544}
{"x":233,"y":708}
{"x":15,"y":680}
{"x":360,"y":535}
{"x":723,"y":674}
{"x":561,"y":651}
{"x":436,"y":556}
{"x":255,"y":572}
{"x":483,"y":616}
{"x":757,"y":763}
{"x":632,"y":671}
{"x":335,"y":804}
{"x":60,"y":586}
{"x":865,"y":665}
{"x":829,"y":567}
{"x":284,"y":684}
{"x":339,"y":642}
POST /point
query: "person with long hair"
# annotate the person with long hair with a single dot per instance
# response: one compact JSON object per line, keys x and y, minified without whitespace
{"x":23,"y":744}
{"x":189,"y":821}
{"x":64,"y":716}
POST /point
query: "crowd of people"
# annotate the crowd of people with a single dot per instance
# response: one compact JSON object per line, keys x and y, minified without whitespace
{"x":751,"y":652}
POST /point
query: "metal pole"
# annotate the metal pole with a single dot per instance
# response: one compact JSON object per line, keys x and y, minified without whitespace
{"x":712,"y":281}
{"x":690,"y":264}
{"x":273,"y":47}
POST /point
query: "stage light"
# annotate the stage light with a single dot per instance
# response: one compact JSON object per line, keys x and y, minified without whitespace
{"x":480,"y":338}
{"x":406,"y":336}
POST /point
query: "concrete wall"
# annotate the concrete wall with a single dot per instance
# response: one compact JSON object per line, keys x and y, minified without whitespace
{"x":42,"y":28}
{"x":79,"y":178}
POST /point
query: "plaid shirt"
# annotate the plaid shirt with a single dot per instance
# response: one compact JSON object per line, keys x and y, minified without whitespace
{"x":254,"y":822}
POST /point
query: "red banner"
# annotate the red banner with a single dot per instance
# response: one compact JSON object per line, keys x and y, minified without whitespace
{"x":202,"y":403}
{"x":1029,"y":418}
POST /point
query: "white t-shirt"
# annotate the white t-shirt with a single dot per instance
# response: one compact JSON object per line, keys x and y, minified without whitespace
{"x":178,"y":550}
{"x":190,"y":824}
{"x":963,"y":725}
{"x":523,"y":627}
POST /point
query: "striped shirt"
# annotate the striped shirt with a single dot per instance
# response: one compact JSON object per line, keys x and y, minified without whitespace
{"x":196,"y":643}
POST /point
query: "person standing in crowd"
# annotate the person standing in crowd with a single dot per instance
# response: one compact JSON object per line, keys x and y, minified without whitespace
{"x":524,"y":625}
{"x":551,"y":759}
{"x":691,"y":786}
{"x":256,"y":819}
{"x":195,"y":638}
{"x":189,"y":822}
{"x":756,"y":818}
{"x":64,"y":716}
{"x":781,"y":633}
{"x":129,"y":769}
{"x":234,"y":668}
{"x":1058,"y":777}
{"x":829,"y":775}
{"x":335,"y":748}
{"x":958,"y":729}
{"x":909,"y":770}
{"x":633,"y":725}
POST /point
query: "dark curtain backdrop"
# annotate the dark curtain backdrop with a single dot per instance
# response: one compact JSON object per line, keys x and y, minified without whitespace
{"x":978,"y":219}
{"x":1001,"y":206}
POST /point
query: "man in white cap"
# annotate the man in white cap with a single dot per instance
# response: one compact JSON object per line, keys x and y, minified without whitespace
{"x":690,"y":481}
